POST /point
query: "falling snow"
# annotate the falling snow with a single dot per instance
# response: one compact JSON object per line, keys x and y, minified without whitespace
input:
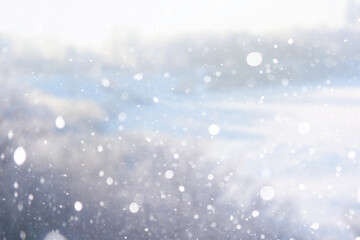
{"x":169,"y":174}
{"x":254,"y":59}
{"x":122,"y":116}
{"x":134,"y":207}
{"x":105,"y":82}
{"x":267,"y":193}
{"x":138,"y":76}
{"x":78,"y":206}
{"x":109,"y":181}
{"x":303,"y":128}
{"x":60,"y":122}
{"x":100,"y":148}
{"x":10,"y":134}
{"x":198,"y":136}
{"x":214,"y":129}
{"x":54,"y":235}
{"x":315,"y":226}
{"x":207,"y":79}
{"x":19,"y":156}
{"x":22,"y":235}
{"x":351,"y":155}
{"x":255,"y":213}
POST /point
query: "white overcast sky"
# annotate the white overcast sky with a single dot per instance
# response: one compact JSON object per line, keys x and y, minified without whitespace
{"x":91,"y":21}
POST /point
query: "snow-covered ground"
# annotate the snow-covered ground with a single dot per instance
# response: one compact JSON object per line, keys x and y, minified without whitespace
{"x":298,"y":142}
